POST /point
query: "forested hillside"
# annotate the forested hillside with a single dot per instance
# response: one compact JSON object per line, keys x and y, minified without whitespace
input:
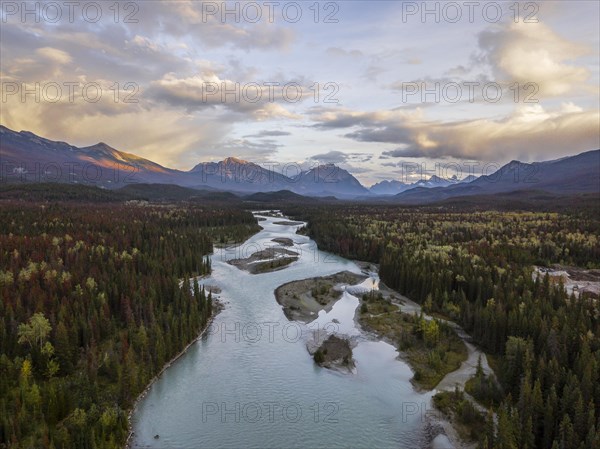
{"x":476,"y":268}
{"x":91,"y":309}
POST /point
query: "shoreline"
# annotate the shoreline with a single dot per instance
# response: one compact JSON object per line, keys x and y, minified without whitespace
{"x":298,"y":301}
{"x":217,"y":308}
{"x":438,"y":425}
{"x":266,"y":260}
{"x":408,"y":306}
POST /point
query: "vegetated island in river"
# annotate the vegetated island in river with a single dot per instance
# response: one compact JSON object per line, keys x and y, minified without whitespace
{"x":288,"y":223}
{"x":302,"y":300}
{"x":431,"y":347}
{"x":265,"y":261}
{"x":335,"y":353}
{"x":283,"y":241}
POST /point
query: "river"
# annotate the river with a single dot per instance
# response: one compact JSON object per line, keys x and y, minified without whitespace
{"x":250,"y":381}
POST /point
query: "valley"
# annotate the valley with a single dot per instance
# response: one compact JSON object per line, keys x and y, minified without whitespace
{"x":442,"y":260}
{"x":330,"y":224}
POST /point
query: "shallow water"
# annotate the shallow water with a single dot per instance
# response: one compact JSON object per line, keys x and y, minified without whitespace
{"x":250,"y":381}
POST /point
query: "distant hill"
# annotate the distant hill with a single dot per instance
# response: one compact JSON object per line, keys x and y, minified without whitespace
{"x":28,"y":158}
{"x":237,"y":175}
{"x":280,"y":195}
{"x":393,"y":187}
{"x":389,"y":187}
{"x":171,"y":192}
{"x":328,"y":179}
{"x":528,"y":200}
{"x":436,"y":181}
{"x":568,"y":175}
{"x":285,"y":196}
{"x":59,"y":192}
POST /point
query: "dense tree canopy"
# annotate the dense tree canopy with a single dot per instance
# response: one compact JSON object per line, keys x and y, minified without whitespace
{"x":92,"y":306}
{"x":476,"y":268}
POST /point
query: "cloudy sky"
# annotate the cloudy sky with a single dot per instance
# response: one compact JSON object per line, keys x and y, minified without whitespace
{"x":371,"y":86}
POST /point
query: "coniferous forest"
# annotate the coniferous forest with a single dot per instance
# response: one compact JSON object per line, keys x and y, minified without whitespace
{"x":379,"y":206}
{"x":98,"y":294}
{"x":476,"y":268}
{"x":95,"y":299}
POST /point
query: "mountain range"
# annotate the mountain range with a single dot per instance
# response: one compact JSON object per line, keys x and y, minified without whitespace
{"x":26,"y":157}
{"x":393,"y":187}
{"x":565,"y":176}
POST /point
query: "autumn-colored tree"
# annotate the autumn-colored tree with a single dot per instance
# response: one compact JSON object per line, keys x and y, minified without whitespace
{"x":35,"y":331}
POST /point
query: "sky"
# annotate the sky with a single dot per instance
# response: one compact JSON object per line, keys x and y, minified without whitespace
{"x":375,"y":87}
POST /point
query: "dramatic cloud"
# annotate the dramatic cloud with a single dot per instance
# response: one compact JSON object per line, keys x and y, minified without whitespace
{"x":160,"y":136}
{"x":532,"y":52}
{"x":525,"y":60}
{"x":338,"y":157}
{"x":194,"y":19}
{"x":401,"y":152}
{"x":530,"y":132}
{"x":153,"y":73}
{"x":131,"y":68}
{"x":259,"y":100}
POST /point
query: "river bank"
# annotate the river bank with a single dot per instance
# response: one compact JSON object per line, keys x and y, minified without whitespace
{"x":237,"y":366}
{"x":443,"y":430}
{"x":217,"y":308}
{"x":433,"y":350}
{"x":393,"y":318}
